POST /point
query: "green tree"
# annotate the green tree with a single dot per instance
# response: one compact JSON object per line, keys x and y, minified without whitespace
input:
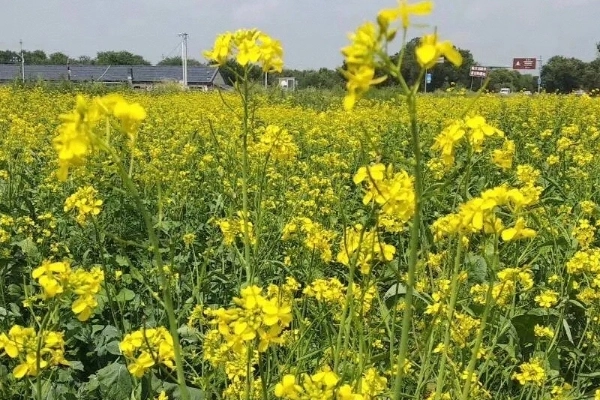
{"x":507,"y":78}
{"x":9,"y":57}
{"x":120,"y":58}
{"x":36,"y":57}
{"x":232,"y":69}
{"x":85,"y":60}
{"x":591,"y":75}
{"x":174,"y":61}
{"x":561,"y":74}
{"x":58,"y":59}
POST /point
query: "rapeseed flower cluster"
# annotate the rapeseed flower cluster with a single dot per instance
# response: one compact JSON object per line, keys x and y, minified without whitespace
{"x":326,"y":385}
{"x":76,"y":134}
{"x":34,"y":353}
{"x":363,"y":247}
{"x":255,"y":318}
{"x":315,"y":237}
{"x":85,"y":202}
{"x":146,"y":348}
{"x":236,"y":227}
{"x":58,"y":279}
{"x":392,"y":191}
{"x":247,"y":47}
{"x":479,"y":215}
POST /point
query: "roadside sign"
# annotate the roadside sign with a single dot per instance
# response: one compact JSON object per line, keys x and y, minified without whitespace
{"x":478,"y":71}
{"x":524,"y":63}
{"x":428,"y":78}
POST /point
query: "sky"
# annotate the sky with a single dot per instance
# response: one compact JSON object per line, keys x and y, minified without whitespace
{"x":312,"y":31}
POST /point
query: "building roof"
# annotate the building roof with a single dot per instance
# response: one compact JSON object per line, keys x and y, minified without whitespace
{"x":105,"y":73}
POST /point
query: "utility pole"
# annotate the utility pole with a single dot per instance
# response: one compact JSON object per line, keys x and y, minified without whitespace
{"x":22,"y":62}
{"x":184,"y":50}
{"x":540,"y":76}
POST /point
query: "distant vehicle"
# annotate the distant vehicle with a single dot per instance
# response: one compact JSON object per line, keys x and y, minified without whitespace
{"x":504,"y":91}
{"x":579,"y":92}
{"x":527,"y":92}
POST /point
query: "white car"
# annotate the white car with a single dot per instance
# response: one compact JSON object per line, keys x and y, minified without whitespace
{"x":504,"y":91}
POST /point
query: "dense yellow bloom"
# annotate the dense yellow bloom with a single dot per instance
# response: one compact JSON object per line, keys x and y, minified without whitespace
{"x":76,"y":134}
{"x":254,"y":318}
{"x":447,"y":140}
{"x":503,"y":158}
{"x":543,"y":331}
{"x":547,"y":298}
{"x":363,"y":247}
{"x":479,"y":129}
{"x":518,"y":231}
{"x":531,"y":372}
{"x":318,"y":386}
{"x":86,"y":203}
{"x":360,"y":57}
{"x":51,"y":277}
{"x":238,"y":226}
{"x":247,"y":46}
{"x":315,"y":237}
{"x":86,"y":285}
{"x":146,"y":347}
{"x":392,"y":191}
{"x":22,"y":343}
{"x":74,"y":140}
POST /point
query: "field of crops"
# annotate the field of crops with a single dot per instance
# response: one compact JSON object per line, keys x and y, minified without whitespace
{"x":268,"y":245}
{"x":514,"y":211}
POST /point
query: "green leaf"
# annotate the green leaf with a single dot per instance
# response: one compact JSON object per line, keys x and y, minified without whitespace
{"x":173,"y":389}
{"x":476,"y":267}
{"x":125,"y":295}
{"x":113,"y":348}
{"x":29,"y":248}
{"x":121,"y":261}
{"x":115,"y":382}
{"x":568,"y":330}
{"x":395,"y":290}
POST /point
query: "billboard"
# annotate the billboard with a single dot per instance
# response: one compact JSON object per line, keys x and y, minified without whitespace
{"x":478,"y":71}
{"x":525,"y":63}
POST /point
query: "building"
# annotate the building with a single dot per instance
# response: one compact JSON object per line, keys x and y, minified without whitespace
{"x":136,"y":76}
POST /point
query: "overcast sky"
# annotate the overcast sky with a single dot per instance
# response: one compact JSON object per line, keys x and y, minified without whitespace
{"x":312,"y":31}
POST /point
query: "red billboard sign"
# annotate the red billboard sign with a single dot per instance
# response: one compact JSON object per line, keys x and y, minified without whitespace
{"x":478,"y":72}
{"x":524,"y":63}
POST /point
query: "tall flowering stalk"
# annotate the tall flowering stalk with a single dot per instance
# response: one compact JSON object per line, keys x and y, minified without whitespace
{"x":248,"y":47}
{"x":363,"y":57}
{"x":77,"y":138}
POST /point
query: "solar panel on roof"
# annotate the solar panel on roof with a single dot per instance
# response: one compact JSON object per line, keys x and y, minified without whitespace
{"x":117,"y":73}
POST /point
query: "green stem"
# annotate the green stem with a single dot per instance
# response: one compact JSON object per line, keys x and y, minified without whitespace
{"x":449,"y":316}
{"x":415,"y":233}
{"x":245,"y":168}
{"x":166,"y":293}
{"x":489,"y":303}
{"x":38,"y":355}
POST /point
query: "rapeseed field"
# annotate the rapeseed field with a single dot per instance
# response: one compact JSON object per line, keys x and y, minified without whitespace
{"x":250,"y":245}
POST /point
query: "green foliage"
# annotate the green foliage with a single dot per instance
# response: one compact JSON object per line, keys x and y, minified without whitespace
{"x":173,"y":61}
{"x":120,"y":58}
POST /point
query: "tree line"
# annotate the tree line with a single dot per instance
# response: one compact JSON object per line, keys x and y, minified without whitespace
{"x":559,"y":74}
{"x":39,"y":57}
